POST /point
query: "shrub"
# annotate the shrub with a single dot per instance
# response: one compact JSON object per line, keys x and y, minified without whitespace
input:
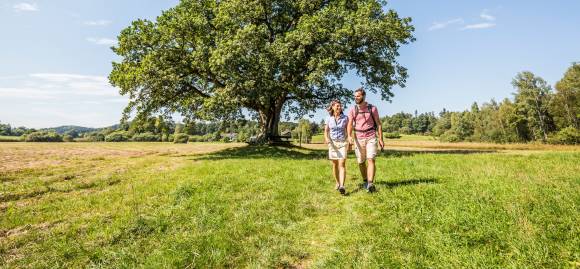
{"x":213,"y":137}
{"x":568,"y":135}
{"x":100,"y":137}
{"x":207,"y":137}
{"x":146,"y":137}
{"x":119,"y":136}
{"x":242,"y":137}
{"x":181,"y":138}
{"x":195,"y":138}
{"x":68,"y":138}
{"x":449,"y":136}
{"x":394,"y":135}
{"x":405,"y":130}
{"x":91,"y":137}
{"x":43,"y":137}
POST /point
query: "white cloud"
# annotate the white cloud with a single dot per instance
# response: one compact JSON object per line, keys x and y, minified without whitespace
{"x":61,"y":77}
{"x":25,"y":7}
{"x":441,"y":25}
{"x":486,"y":16}
{"x":57,"y":86}
{"x":9,"y":77}
{"x":77,"y":84}
{"x":65,"y":98}
{"x":478,"y":26}
{"x":97,"y":23}
{"x":26,"y":93}
{"x":102,"y":41}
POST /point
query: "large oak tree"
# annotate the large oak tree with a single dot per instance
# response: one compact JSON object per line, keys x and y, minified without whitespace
{"x":208,"y":59}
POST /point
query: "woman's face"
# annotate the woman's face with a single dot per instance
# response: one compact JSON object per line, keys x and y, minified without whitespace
{"x":337,"y":108}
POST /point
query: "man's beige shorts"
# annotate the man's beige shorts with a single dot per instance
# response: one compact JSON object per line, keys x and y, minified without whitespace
{"x":337,"y":150}
{"x":365,"y":148}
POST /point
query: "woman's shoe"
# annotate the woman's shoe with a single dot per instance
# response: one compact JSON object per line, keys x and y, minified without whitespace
{"x":342,"y":190}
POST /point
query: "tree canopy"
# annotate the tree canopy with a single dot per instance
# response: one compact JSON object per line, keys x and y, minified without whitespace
{"x":208,"y":59}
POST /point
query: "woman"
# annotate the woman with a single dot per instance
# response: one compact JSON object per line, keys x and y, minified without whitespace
{"x":335,"y":138}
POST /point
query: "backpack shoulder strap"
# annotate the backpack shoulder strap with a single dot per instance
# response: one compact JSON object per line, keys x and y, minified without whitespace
{"x":354,"y":120}
{"x":370,"y":109}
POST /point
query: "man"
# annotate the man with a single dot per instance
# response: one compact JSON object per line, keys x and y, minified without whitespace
{"x":364,"y":119}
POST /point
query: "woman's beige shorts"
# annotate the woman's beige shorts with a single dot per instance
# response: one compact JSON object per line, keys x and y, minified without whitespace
{"x":337,"y":150}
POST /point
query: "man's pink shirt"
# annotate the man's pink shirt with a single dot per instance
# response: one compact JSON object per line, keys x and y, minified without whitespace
{"x":364,"y":121}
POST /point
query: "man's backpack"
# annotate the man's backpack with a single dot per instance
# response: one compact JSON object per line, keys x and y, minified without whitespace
{"x":370,"y":111}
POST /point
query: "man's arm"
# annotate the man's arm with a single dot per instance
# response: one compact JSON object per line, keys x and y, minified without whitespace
{"x":379,"y":128}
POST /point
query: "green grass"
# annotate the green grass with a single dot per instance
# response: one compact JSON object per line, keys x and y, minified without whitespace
{"x":276,"y":207}
{"x":405,"y":137}
{"x":4,"y":138}
{"x":317,"y":139}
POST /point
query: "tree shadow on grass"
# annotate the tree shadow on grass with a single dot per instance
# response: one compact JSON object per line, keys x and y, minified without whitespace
{"x":395,"y":184}
{"x":266,"y":152}
{"x":300,"y":153}
{"x":405,"y":153}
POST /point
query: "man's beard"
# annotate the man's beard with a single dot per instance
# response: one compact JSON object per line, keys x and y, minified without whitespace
{"x":359,"y":102}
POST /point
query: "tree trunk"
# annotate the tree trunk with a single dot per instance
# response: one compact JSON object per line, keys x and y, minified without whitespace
{"x":541,"y":119}
{"x":571,"y":119}
{"x":269,"y":120}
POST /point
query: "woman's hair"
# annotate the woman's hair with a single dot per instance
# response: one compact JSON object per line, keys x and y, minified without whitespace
{"x":330,"y":109}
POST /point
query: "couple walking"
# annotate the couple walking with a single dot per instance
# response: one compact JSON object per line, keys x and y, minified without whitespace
{"x":363,"y":119}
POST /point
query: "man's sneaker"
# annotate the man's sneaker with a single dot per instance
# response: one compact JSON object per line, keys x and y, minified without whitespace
{"x":342,"y":190}
{"x":365,"y":183}
{"x":371,"y":188}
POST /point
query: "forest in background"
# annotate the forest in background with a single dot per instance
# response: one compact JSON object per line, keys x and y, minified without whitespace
{"x":537,"y":113}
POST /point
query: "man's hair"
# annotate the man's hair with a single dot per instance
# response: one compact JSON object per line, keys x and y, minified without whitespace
{"x":361,"y":90}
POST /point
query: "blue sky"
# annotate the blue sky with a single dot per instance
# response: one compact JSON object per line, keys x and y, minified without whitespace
{"x":55,"y":56}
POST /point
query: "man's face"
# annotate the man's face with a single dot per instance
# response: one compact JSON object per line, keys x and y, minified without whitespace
{"x":359,"y":97}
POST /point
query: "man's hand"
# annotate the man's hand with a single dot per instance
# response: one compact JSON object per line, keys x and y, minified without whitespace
{"x":350,"y":140}
{"x":382,"y":144}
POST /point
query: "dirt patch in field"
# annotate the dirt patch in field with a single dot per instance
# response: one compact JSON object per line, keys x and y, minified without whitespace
{"x":27,"y":228}
{"x":18,"y":156}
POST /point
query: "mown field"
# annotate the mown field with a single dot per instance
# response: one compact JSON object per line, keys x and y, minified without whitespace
{"x":200,"y":205}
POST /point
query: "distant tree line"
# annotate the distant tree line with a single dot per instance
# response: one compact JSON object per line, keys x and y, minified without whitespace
{"x":536,"y":113}
{"x":7,"y":130}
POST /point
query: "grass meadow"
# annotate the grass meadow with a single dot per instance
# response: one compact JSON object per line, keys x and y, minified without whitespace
{"x":200,"y":205}
{"x":9,"y":138}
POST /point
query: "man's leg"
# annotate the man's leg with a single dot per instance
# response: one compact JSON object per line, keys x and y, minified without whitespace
{"x":371,"y":170}
{"x":371,"y":167}
{"x":363,"y":171}
{"x":361,"y":155}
